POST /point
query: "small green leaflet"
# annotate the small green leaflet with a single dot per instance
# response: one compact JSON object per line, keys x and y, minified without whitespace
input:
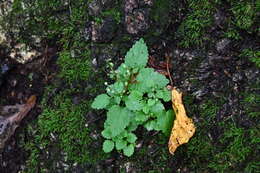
{"x":108,"y":146}
{"x":101,"y":101}
{"x":137,"y":56}
{"x":157,"y":107}
{"x":140,"y":117}
{"x":164,"y":94}
{"x":148,"y":79}
{"x":165,"y":122}
{"x":129,"y":150}
{"x":106,"y":134}
{"x":131,"y":138}
{"x":118,"y":119}
{"x":134,"y":101}
{"x":120,"y":144}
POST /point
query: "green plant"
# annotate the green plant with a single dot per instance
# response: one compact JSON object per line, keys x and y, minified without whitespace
{"x":134,"y":99}
{"x":254,"y":56}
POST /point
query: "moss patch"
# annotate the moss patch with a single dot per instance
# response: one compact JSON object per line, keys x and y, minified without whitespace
{"x":193,"y":28}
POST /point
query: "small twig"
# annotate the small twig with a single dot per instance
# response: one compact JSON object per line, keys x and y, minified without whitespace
{"x":167,"y":67}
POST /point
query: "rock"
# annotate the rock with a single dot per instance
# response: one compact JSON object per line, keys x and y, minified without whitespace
{"x":219,"y":18}
{"x":130,"y":5}
{"x":4,"y":68}
{"x":103,"y":32}
{"x":136,"y":19}
{"x":237,"y":77}
{"x":19,"y":52}
{"x":87,"y":33}
{"x":95,"y":7}
{"x":200,"y":93}
{"x":103,"y":53}
{"x":223,"y":45}
{"x":23,"y":54}
{"x":137,"y":22}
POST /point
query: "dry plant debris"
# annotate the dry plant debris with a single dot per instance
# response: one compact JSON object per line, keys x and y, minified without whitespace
{"x":11,"y":116}
{"x":183,"y":128}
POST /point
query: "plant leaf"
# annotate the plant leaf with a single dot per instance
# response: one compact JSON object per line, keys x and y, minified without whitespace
{"x":129,"y":150}
{"x":120,"y":144}
{"x":164,"y":94}
{"x":148,"y":79}
{"x":131,"y":138}
{"x":157,"y":108}
{"x":140,"y":117}
{"x":137,"y":56}
{"x":101,"y":101}
{"x":108,"y":146}
{"x":134,"y":101}
{"x":165,"y":121}
{"x":117,"y":119}
{"x":106,"y":134}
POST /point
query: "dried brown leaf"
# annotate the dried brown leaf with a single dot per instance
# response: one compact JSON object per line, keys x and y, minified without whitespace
{"x":11,"y":116}
{"x":183,"y":128}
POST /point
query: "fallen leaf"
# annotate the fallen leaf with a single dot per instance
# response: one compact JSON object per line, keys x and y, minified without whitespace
{"x":11,"y":116}
{"x":183,"y":127}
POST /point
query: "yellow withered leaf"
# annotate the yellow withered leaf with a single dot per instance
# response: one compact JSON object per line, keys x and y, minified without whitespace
{"x":183,"y":127}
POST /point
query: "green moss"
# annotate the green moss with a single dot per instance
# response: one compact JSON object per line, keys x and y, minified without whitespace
{"x":160,"y":15}
{"x":193,"y":29}
{"x":233,"y":34}
{"x":252,"y":55}
{"x":232,"y":151}
{"x":244,"y":13}
{"x":53,"y":17}
{"x":61,"y":129}
{"x":115,"y":13}
{"x":243,"y":17}
{"x":237,"y":149}
{"x":73,"y":67}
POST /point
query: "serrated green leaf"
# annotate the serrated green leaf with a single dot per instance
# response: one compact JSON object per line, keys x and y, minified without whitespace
{"x":117,"y":100}
{"x":165,"y":122}
{"x":134,"y":101}
{"x":122,"y":135}
{"x":108,"y":146}
{"x":129,"y":150}
{"x":148,"y":80}
{"x":164,"y":94}
{"x":106,"y":134}
{"x":131,"y":138}
{"x":146,"y":109}
{"x":118,"y":119}
{"x":157,"y":108}
{"x":120,"y":144}
{"x":137,"y":56}
{"x":133,"y":125}
{"x":140,"y":117}
{"x":117,"y":88}
{"x":101,"y":101}
{"x":151,"y":102}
